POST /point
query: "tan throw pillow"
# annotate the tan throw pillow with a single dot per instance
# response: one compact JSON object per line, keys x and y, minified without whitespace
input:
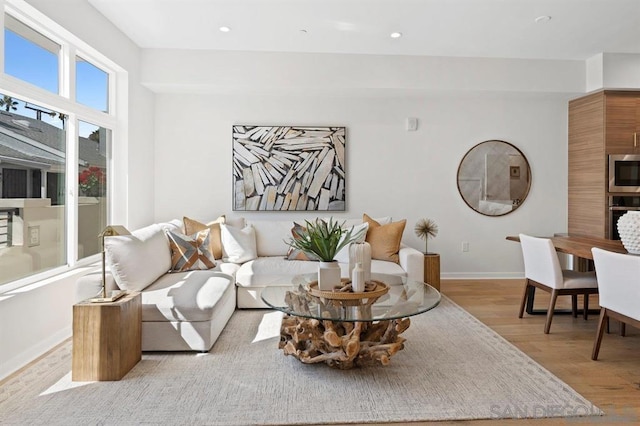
{"x":190,"y":252}
{"x":192,"y":226}
{"x":384,"y":239}
{"x":294,"y":253}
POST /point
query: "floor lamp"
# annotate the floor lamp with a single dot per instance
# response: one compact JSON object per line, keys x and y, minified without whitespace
{"x":109,"y":231}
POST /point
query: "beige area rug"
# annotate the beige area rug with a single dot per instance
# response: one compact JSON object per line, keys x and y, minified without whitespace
{"x":452,"y":367}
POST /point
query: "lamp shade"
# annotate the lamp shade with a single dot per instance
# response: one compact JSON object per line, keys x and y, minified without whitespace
{"x":113,"y":230}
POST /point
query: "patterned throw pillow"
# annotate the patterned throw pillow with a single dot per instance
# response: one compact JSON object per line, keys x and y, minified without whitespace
{"x":190,"y":252}
{"x":192,"y":226}
{"x":294,"y":253}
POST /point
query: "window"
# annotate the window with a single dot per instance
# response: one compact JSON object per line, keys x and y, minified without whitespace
{"x":30,"y":56}
{"x":92,"y":85}
{"x":93,"y":146}
{"x":55,"y":151}
{"x":32,"y":186}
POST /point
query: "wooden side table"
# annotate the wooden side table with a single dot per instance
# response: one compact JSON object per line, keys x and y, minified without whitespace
{"x":107,"y":338}
{"x":432,"y":270}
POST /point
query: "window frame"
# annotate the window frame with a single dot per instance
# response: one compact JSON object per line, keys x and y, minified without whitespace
{"x":65,"y":102}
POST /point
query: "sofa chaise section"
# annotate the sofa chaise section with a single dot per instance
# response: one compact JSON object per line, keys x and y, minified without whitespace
{"x":181,"y":311}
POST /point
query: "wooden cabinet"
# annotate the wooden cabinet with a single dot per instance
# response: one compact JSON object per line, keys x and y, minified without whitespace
{"x":603,"y":123}
{"x":106,"y":338}
{"x":622,"y":122}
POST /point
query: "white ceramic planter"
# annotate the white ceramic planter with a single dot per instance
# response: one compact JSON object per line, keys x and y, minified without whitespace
{"x":629,"y":230}
{"x":328,"y":275}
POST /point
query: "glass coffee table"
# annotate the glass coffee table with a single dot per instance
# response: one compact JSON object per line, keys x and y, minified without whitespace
{"x":345,"y":329}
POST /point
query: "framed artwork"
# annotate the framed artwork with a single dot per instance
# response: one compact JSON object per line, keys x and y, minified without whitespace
{"x":285,"y":168}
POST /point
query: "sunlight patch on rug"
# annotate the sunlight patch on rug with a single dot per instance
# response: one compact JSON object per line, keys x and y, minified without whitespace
{"x":269,"y":326}
{"x":64,"y":384}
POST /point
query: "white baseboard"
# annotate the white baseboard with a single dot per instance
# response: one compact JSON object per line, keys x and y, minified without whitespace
{"x":482,"y":275}
{"x":25,"y":357}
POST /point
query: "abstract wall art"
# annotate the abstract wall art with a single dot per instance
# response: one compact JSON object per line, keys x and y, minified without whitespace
{"x":280,"y":168}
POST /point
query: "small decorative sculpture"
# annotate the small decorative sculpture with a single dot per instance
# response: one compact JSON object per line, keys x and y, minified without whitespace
{"x":424,"y":229}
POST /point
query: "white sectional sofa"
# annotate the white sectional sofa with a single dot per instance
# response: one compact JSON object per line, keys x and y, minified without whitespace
{"x":272,"y":269}
{"x":188,"y":310}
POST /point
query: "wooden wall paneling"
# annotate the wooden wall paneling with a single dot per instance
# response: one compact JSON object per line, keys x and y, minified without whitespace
{"x":587,"y":213}
{"x":621,"y":118}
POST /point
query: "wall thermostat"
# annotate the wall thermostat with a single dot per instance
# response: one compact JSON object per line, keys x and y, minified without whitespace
{"x":412,"y":124}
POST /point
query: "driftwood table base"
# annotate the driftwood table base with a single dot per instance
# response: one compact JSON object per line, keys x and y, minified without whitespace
{"x":342,"y":345}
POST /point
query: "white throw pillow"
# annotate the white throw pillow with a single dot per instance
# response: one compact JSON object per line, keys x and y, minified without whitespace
{"x":271,"y":236}
{"x":238,"y":245}
{"x":138,"y":260}
{"x":343,"y":255}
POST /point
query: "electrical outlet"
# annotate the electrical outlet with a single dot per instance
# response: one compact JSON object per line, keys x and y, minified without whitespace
{"x":465,"y":246}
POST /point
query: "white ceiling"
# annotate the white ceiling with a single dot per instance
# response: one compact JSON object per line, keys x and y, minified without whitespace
{"x":578,"y":29}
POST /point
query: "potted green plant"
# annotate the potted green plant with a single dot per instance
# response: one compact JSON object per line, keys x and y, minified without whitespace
{"x":321,"y":240}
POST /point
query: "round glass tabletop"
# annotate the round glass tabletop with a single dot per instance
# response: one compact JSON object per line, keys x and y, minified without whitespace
{"x":405,"y":298}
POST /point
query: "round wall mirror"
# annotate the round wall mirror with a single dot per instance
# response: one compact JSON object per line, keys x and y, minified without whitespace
{"x":494,"y":178}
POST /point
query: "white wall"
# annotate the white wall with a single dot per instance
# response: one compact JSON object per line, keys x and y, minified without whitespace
{"x":459,"y":102}
{"x":613,"y":71}
{"x":35,"y":318}
{"x":390,"y":171}
{"x":197,"y":71}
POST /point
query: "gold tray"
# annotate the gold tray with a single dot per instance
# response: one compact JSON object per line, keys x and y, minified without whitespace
{"x":379,"y":290}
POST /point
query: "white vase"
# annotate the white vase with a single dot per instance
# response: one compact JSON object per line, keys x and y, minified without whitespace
{"x":360,"y":253}
{"x":629,"y":231}
{"x":357,"y":278}
{"x":328,"y":275}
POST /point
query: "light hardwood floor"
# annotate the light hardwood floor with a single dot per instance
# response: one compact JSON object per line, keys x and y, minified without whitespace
{"x":611,"y":383}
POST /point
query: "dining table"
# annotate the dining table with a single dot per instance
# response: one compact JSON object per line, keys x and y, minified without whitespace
{"x":580,"y":247}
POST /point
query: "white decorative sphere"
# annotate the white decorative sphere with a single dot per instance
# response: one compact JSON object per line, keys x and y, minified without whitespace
{"x":629,"y":230}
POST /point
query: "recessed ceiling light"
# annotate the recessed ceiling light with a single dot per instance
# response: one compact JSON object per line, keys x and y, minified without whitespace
{"x":225,"y":29}
{"x":543,"y":19}
{"x":395,"y":35}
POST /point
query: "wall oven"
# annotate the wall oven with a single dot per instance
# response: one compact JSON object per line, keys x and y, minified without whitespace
{"x":619,"y":205}
{"x":624,"y":173}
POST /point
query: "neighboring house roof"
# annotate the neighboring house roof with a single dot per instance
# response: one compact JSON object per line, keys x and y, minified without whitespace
{"x":35,"y":143}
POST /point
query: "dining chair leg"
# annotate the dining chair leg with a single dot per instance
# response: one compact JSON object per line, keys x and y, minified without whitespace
{"x":585,"y":308}
{"x":574,"y":305}
{"x":524,"y":298}
{"x":602,"y":324}
{"x":552,"y":306}
{"x":623,"y":329}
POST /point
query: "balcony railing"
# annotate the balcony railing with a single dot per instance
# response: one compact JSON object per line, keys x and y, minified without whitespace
{"x":6,"y":228}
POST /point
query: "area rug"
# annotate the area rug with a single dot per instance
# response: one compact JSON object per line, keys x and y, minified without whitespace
{"x":452,"y":368}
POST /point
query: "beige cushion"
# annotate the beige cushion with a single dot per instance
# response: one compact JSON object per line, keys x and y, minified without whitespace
{"x":190,"y":252}
{"x":139,"y":259}
{"x":384,"y":239}
{"x":192,"y":226}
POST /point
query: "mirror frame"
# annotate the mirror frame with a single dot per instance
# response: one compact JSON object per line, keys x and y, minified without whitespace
{"x":508,"y":145}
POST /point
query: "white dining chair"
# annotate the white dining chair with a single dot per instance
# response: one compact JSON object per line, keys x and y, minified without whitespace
{"x":619,"y":283}
{"x":542,"y":270}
